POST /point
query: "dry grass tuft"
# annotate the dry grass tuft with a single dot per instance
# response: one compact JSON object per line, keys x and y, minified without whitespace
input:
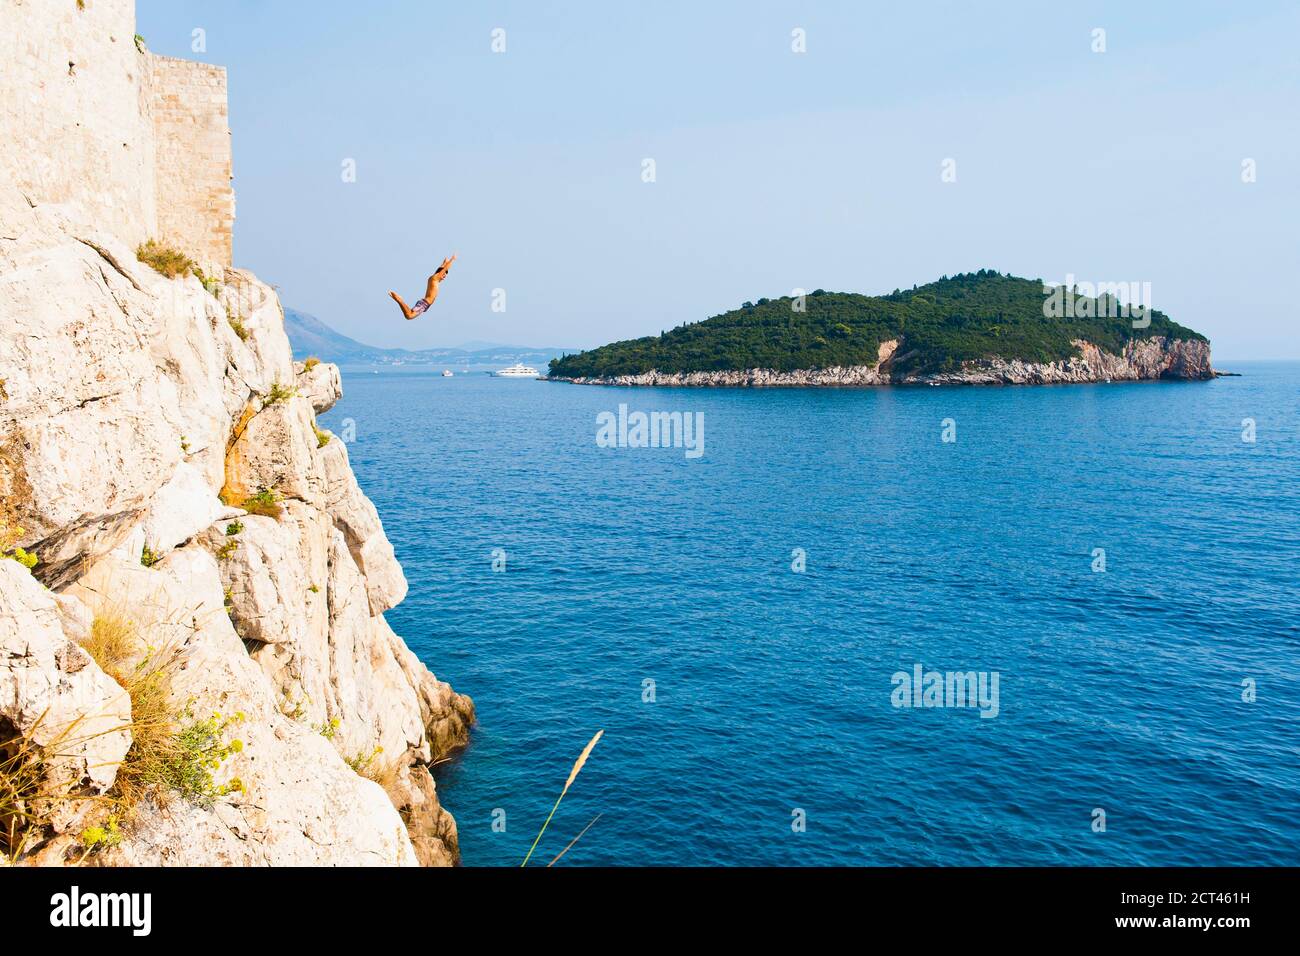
{"x":382,"y":772}
{"x":27,"y":792}
{"x":266,"y":503}
{"x":113,"y":644}
{"x":145,"y":674}
{"x":33,"y":786}
{"x":164,"y":259}
{"x":385,"y":774}
{"x":170,"y":753}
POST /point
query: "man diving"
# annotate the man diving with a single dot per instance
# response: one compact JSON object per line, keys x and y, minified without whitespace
{"x":430,"y":291}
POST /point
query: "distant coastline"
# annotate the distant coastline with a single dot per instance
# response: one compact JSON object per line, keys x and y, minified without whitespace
{"x":309,"y":336}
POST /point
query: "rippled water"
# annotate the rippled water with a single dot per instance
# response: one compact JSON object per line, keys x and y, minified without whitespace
{"x":1119,"y":690}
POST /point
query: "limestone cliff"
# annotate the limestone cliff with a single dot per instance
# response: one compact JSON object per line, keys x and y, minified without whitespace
{"x":159,"y":454}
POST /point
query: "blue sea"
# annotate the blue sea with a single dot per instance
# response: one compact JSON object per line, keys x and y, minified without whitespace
{"x":1163,"y":692}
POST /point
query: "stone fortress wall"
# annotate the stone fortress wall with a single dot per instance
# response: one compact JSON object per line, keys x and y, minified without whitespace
{"x":192,"y":165}
{"x":141,"y":142}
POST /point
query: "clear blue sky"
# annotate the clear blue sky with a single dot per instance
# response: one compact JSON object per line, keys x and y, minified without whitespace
{"x":775,"y":170}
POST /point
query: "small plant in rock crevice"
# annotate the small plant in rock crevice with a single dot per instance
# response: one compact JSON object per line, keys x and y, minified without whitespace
{"x":164,"y":259}
{"x":210,"y":284}
{"x":201,"y":749}
{"x":101,"y":836}
{"x":368,"y":765}
{"x":265,"y":503}
{"x":362,"y":761}
{"x":278,"y":394}
{"x":295,"y":709}
{"x":237,"y":323}
{"x":171,"y":753}
{"x":9,"y":538}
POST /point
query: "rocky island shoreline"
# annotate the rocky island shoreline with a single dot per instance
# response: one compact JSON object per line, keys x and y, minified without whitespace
{"x":979,"y":328}
{"x":1147,"y":359}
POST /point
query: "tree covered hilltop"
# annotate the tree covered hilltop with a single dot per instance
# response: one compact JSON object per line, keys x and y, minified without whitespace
{"x":939,"y":327}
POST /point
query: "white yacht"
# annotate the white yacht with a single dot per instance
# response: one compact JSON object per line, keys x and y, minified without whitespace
{"x":447,"y":373}
{"x":517,"y":370}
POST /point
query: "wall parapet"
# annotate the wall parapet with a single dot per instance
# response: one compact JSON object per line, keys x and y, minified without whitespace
{"x":192,"y":158}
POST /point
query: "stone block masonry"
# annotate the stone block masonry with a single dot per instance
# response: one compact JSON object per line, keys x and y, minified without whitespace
{"x":74,"y":112}
{"x":192,"y":164}
{"x":140,"y":142}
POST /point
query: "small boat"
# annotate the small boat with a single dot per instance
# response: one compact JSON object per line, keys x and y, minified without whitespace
{"x":518,"y":370}
{"x":447,"y":373}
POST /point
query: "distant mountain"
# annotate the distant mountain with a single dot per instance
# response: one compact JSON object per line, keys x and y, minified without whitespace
{"x":310,"y":336}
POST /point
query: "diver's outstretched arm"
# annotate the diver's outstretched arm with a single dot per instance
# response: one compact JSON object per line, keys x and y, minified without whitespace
{"x":431,"y":288}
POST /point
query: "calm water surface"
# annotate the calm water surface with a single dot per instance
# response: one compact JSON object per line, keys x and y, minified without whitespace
{"x":1119,"y":690}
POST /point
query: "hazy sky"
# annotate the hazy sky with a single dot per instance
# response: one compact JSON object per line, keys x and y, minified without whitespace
{"x":774,"y":169}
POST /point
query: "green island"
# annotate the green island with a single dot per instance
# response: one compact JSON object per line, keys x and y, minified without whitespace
{"x":941,"y":325}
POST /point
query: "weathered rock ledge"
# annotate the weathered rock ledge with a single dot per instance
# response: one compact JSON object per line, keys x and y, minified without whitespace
{"x":137,"y":416}
{"x":160,"y":455}
{"x":1153,"y":358}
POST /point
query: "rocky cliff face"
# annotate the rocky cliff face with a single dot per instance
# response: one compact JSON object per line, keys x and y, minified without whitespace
{"x":142,"y":420}
{"x":1152,"y":358}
